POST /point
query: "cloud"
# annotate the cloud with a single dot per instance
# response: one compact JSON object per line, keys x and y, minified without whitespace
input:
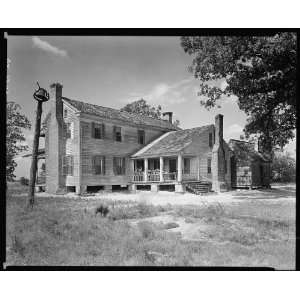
{"x":165,"y":94}
{"x":47,"y":47}
{"x":233,"y":131}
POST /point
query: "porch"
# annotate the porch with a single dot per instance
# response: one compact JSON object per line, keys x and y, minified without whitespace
{"x":165,"y":170}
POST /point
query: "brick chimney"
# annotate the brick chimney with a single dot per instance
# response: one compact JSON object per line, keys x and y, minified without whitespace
{"x":218,"y":157}
{"x":55,"y":144}
{"x":56,"y":100}
{"x":219,"y":129}
{"x":170,"y":116}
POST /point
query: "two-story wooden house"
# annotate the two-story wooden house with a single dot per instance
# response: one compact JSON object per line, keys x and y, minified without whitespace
{"x":90,"y":147}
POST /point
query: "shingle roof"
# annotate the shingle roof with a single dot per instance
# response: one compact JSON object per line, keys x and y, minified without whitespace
{"x":246,"y":150}
{"x":171,"y":142}
{"x":115,"y":114}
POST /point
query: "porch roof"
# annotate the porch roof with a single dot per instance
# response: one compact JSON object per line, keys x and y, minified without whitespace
{"x":171,"y":142}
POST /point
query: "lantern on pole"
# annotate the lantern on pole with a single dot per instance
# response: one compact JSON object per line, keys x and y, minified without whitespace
{"x":40,"y":95}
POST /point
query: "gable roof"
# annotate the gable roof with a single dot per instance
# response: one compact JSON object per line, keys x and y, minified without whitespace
{"x":115,"y":114}
{"x":246,"y":150}
{"x":171,"y":142}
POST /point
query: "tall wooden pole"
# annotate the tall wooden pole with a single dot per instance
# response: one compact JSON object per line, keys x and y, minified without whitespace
{"x":35,"y":149}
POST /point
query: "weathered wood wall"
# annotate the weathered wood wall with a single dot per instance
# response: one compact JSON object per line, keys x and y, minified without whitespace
{"x":110,"y":148}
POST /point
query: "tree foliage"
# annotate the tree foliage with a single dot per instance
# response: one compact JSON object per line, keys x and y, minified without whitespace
{"x":260,"y":71}
{"x":283,"y":167}
{"x":15,"y":122}
{"x":143,"y":108}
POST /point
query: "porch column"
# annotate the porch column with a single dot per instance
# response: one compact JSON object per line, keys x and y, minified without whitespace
{"x":132,"y":168}
{"x":145,"y":169}
{"x":179,"y":168}
{"x":161,"y":169}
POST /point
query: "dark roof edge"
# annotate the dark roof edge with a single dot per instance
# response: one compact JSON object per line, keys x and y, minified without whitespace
{"x":119,"y":110}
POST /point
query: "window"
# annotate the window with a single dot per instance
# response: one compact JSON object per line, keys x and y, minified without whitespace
{"x":68,"y":165}
{"x":69,"y":130}
{"x":98,"y":131}
{"x":209,"y":166}
{"x":186,"y":165}
{"x":119,"y":165}
{"x":225,"y":167}
{"x":99,"y":165}
{"x":210,"y":142}
{"x":117,"y":134}
{"x":141,"y":137}
{"x":65,"y":113}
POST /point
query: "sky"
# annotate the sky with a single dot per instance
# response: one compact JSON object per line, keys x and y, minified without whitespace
{"x":113,"y":71}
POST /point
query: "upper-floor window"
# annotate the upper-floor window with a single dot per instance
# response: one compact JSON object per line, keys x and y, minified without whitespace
{"x":69,"y":130}
{"x":98,"y":131}
{"x":68,"y":165}
{"x":186,"y":165}
{"x":210,"y":139}
{"x":209,"y":166}
{"x":65,"y":113}
{"x":117,"y":134}
{"x":141,"y":137}
{"x":119,"y":165}
{"x":99,"y":164}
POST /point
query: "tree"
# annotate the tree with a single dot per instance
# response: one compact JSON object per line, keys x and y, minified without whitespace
{"x":283,"y":167}
{"x":15,"y":122}
{"x":143,"y":108}
{"x":260,"y":71}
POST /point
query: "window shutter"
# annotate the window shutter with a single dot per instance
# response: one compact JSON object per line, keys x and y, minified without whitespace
{"x":93,"y":129}
{"x":93,"y":165}
{"x":114,"y":165}
{"x":103,"y":164}
{"x":103,"y":131}
{"x":72,"y":165}
{"x":123,"y":165}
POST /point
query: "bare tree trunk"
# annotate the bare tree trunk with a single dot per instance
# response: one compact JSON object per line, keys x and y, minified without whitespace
{"x":35,"y":149}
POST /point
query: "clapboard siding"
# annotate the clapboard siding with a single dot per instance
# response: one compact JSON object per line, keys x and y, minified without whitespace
{"x":109,"y":148}
{"x":72,"y":145}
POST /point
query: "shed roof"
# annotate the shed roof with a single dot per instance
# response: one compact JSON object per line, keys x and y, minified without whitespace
{"x":171,"y":142}
{"x":115,"y":114}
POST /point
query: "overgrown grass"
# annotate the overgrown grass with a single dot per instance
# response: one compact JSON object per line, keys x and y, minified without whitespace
{"x":62,"y":231}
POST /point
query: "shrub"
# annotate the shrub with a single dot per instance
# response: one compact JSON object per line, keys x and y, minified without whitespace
{"x":102,"y":209}
{"x":24,"y":181}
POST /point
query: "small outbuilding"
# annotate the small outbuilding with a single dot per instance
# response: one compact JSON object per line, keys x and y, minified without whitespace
{"x":250,"y":167}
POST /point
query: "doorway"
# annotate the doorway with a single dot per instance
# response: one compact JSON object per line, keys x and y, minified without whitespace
{"x":172,"y":165}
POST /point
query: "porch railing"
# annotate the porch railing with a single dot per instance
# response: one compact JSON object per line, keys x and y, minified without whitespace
{"x":167,"y":176}
{"x":154,"y":176}
{"x":243,"y":180}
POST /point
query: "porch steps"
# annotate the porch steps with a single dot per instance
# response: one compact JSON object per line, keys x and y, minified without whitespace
{"x":198,"y":187}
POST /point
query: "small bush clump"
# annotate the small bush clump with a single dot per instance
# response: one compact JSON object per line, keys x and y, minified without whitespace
{"x":24,"y":181}
{"x":102,"y":210}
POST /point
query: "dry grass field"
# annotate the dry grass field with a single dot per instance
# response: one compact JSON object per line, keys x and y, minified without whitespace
{"x":249,"y":228}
